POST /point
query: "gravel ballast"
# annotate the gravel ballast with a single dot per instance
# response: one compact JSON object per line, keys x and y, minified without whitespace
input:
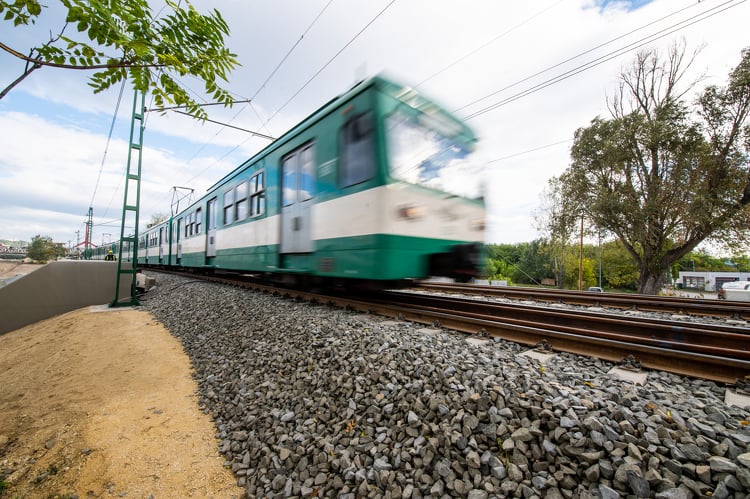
{"x":314,"y":401}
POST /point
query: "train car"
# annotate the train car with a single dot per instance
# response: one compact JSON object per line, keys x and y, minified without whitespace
{"x":371,"y":186}
{"x":154,"y":245}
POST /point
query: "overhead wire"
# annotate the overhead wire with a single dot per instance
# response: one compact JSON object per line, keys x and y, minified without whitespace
{"x":331,"y":60}
{"x":249,"y":103}
{"x":317,"y":73}
{"x":612,"y":40}
{"x":616,"y":53}
{"x":534,"y":149}
{"x":109,"y":139}
{"x":598,"y":61}
{"x":488,"y":43}
{"x":289,"y":52}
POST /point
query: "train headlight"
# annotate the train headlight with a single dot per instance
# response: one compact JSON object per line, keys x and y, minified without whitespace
{"x":477,"y":224}
{"x":411,"y":212}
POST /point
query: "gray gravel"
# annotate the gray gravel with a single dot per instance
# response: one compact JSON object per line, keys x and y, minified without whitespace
{"x":312,"y":401}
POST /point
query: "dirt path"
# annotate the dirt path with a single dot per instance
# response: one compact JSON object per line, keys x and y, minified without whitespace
{"x":100,"y":402}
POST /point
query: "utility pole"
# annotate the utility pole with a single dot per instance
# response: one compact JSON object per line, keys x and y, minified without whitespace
{"x":89,"y":234}
{"x":580,"y":260}
{"x":131,"y":201}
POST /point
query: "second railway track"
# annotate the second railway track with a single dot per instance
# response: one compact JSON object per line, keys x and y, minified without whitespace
{"x":664,"y":304}
{"x":719,"y":353}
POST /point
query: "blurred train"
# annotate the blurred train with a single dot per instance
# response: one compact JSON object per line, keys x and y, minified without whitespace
{"x":379,"y":184}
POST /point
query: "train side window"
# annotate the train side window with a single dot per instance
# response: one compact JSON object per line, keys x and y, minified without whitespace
{"x":211,"y":214}
{"x":228,"y":206}
{"x":178,"y":229}
{"x":257,"y":195}
{"x":307,"y":173}
{"x":289,"y":180}
{"x":358,"y":151}
{"x":198,"y":220}
{"x":240,"y":206}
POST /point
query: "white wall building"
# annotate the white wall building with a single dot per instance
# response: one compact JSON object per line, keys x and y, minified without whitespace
{"x":709,"y":281}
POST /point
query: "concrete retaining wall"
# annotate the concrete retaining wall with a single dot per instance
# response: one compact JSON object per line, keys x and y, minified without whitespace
{"x":60,"y":287}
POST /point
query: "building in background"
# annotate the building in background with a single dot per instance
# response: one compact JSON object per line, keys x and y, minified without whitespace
{"x":709,"y":281}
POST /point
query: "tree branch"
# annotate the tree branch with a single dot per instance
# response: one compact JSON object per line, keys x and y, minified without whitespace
{"x":39,"y":62}
{"x":18,"y":80}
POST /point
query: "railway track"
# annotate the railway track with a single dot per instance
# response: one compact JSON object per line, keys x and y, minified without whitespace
{"x":667,"y":304}
{"x":719,"y":353}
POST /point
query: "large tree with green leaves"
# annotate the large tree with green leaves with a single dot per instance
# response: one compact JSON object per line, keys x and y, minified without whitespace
{"x":125,"y":39}
{"x":661,"y":174}
{"x":42,"y":249}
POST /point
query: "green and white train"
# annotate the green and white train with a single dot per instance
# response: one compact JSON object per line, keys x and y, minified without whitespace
{"x":372,"y":186}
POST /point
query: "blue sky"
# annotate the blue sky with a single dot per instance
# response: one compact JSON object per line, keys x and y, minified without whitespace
{"x":55,"y":130}
{"x":627,"y":5}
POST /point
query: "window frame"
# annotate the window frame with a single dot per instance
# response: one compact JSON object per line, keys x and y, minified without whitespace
{"x":241,"y":189}
{"x":346,"y":178}
{"x":227,"y":207}
{"x":257,"y":194}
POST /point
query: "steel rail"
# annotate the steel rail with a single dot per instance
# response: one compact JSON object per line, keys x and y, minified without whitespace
{"x":719,"y":363}
{"x":702,"y":338}
{"x":666,"y":304}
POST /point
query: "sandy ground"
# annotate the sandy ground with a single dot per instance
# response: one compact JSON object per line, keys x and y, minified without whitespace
{"x":12,"y":268}
{"x":100,"y":402}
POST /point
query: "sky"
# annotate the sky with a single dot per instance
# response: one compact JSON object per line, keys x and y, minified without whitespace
{"x":523,"y":75}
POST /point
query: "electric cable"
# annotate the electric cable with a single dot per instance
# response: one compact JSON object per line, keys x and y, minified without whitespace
{"x":382,"y":11}
{"x":331,"y":60}
{"x":486,"y":44}
{"x":289,"y":52}
{"x":109,"y":139}
{"x":538,"y":148}
{"x":262,"y":86}
{"x":600,"y":60}
{"x":549,"y":68}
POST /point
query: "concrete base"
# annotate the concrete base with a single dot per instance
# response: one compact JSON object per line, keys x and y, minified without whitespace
{"x":477,"y":341}
{"x":59,"y":287}
{"x":736,"y":399}
{"x":635,"y":377}
{"x":540,"y":356}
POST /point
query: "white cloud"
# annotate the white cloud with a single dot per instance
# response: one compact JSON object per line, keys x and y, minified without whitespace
{"x":54,"y":152}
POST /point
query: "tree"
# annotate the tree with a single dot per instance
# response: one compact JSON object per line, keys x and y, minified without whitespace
{"x":660,"y":175}
{"x":156,"y":219}
{"x":618,"y":269}
{"x":151,"y":50}
{"x":557,"y":219}
{"x":42,"y":249}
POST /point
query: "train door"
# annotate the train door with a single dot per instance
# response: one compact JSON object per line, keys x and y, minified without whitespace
{"x":178,"y":239}
{"x":298,"y":189}
{"x":211,"y":228}
{"x":161,"y":244}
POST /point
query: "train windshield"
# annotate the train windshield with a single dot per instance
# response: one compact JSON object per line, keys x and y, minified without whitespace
{"x":423,"y":152}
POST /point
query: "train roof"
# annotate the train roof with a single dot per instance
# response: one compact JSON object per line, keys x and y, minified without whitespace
{"x":403,"y":93}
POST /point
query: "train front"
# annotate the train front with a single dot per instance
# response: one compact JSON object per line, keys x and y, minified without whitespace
{"x":435,"y":189}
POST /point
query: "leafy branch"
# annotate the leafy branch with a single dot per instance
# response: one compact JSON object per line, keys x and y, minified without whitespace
{"x":153,"y":50}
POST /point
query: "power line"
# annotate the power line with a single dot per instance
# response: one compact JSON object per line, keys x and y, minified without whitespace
{"x":331,"y":60}
{"x":289,"y":52}
{"x":264,"y":122}
{"x":109,"y":139}
{"x":607,"y":57}
{"x":580,"y":54}
{"x":249,"y":101}
{"x":528,"y":151}
{"x":486,"y":44}
{"x":227,"y":125}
